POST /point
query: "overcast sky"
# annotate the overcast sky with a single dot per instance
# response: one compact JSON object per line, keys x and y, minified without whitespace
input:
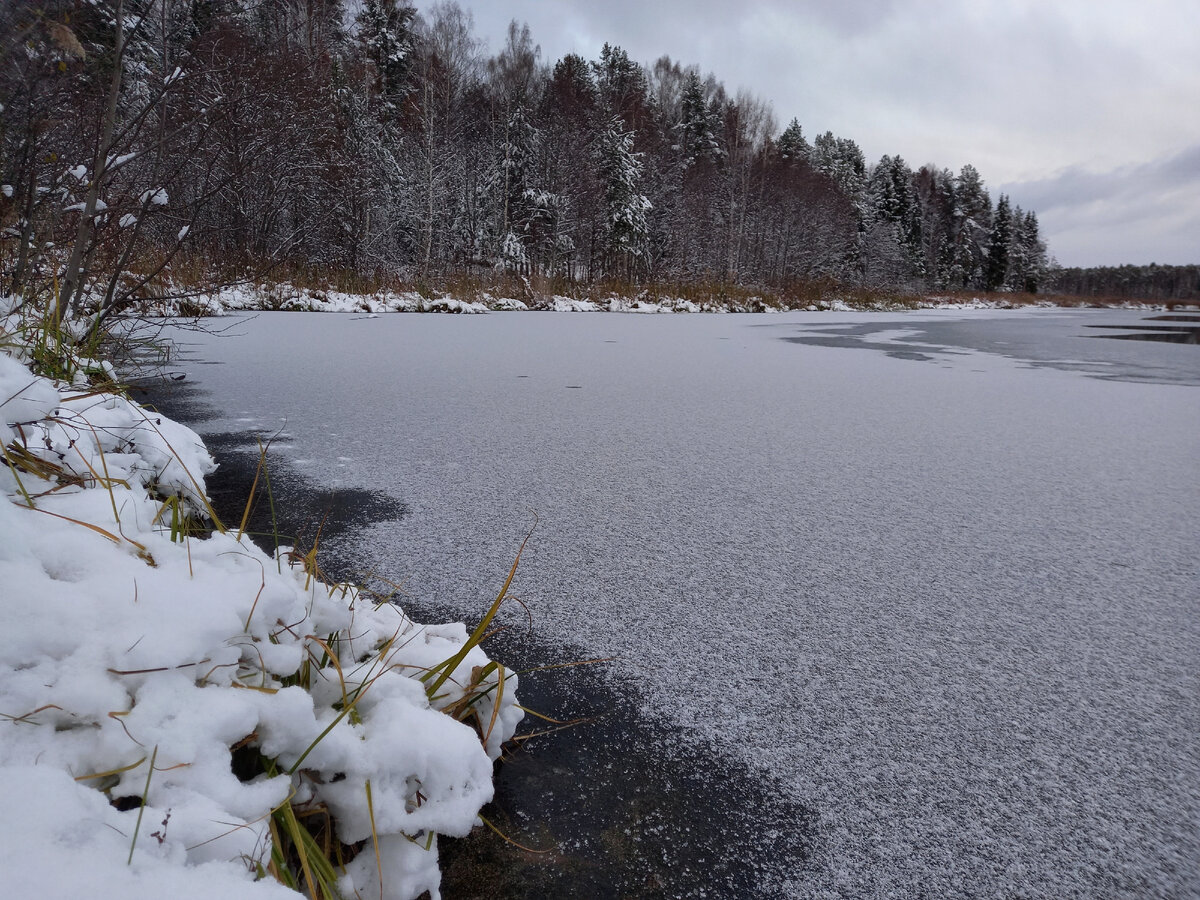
{"x":1087,"y":111}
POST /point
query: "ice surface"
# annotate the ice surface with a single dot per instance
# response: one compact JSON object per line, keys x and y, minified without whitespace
{"x":951,"y":602}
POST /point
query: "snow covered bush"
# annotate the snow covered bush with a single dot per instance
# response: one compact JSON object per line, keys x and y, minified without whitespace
{"x":191,"y":717}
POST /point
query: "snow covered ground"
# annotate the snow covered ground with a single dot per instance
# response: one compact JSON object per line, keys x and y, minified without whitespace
{"x":129,"y":648}
{"x":288,"y":297}
{"x":942,"y":585}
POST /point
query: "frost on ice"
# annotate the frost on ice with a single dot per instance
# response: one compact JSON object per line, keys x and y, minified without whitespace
{"x":123,"y":646}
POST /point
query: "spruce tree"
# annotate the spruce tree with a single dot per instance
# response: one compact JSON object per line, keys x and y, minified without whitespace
{"x":697,"y":138}
{"x":843,"y":161}
{"x":622,"y":86}
{"x":972,"y":225}
{"x":792,"y":144}
{"x":892,"y":200}
{"x":996,"y":266}
{"x":385,"y":29}
{"x":1018,"y":259}
{"x":620,"y":171}
{"x":1035,"y":253}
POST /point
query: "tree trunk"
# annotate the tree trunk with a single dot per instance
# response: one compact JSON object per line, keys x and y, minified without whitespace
{"x":71,"y":288}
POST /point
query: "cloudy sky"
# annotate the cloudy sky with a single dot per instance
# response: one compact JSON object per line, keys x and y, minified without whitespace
{"x":1087,"y":111}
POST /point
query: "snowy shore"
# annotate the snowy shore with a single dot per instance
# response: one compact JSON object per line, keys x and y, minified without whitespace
{"x":290,"y":298}
{"x":143,"y":667}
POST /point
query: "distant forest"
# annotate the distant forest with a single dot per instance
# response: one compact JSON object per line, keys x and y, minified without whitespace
{"x":1152,"y":282}
{"x":158,"y":136}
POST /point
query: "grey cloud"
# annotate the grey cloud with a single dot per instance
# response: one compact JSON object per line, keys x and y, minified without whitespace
{"x":1075,"y":186}
{"x":1149,"y":212}
{"x":846,"y":19}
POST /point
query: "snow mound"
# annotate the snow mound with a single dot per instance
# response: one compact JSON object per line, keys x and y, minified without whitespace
{"x":505,"y":304}
{"x":642,"y":304}
{"x":288,"y":298}
{"x":130,"y":647}
{"x":569,"y":304}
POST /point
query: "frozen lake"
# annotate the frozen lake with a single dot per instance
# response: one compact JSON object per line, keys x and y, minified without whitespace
{"x":934,"y":575}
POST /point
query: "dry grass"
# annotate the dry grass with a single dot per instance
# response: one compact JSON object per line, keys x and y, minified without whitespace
{"x":196,"y":272}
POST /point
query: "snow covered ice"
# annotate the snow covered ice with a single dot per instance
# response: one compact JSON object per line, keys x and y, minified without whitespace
{"x":125,"y":648}
{"x":947,"y":600}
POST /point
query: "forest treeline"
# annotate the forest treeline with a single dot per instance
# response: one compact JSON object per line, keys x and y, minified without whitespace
{"x":140,"y":135}
{"x":1152,"y":282}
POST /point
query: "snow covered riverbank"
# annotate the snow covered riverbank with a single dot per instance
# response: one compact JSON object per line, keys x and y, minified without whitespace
{"x":290,"y":298}
{"x":167,"y":701}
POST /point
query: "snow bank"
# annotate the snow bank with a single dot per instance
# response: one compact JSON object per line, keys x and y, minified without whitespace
{"x":125,"y":648}
{"x":285,"y":297}
{"x":569,"y":304}
{"x":660,"y":305}
{"x":242,"y":298}
{"x":504,"y":304}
